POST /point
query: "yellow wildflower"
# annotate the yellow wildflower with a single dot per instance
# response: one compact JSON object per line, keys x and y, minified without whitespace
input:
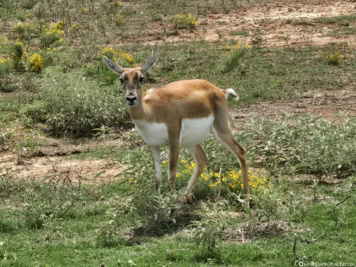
{"x":36,"y":62}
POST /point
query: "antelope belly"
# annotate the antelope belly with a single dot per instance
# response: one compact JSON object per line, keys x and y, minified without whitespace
{"x":154,"y":134}
{"x":194,"y":131}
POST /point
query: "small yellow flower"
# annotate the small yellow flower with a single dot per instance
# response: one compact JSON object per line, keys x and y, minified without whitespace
{"x":184,"y":21}
{"x":36,"y":62}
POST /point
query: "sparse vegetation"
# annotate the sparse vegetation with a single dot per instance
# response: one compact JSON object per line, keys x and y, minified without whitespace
{"x":72,"y":105}
{"x":334,"y":58}
{"x":184,"y":21}
{"x":58,"y":100}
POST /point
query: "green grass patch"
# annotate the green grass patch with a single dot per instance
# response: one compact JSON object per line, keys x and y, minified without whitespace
{"x":298,"y":217}
{"x":306,"y":144}
{"x":127,"y":222}
{"x":104,"y":228}
{"x":240,"y":32}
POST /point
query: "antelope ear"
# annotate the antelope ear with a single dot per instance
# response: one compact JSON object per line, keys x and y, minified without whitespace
{"x":150,"y":63}
{"x":112,"y":65}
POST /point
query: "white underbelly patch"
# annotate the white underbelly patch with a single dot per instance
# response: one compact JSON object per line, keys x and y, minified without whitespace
{"x":154,"y":134}
{"x":193,"y":131}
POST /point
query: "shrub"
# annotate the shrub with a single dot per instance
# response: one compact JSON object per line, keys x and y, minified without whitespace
{"x":118,"y":4}
{"x":18,"y":55}
{"x":37,"y":111}
{"x":334,"y":58}
{"x":209,"y":231}
{"x":24,"y":30}
{"x":184,"y":21}
{"x":35,"y":62}
{"x":119,"y":55}
{"x":307,"y":144}
{"x":224,"y":179}
{"x":156,"y":17}
{"x":75,"y":106}
{"x":234,"y":57}
{"x":5,"y":66}
{"x":53,"y":35}
{"x":119,"y":19}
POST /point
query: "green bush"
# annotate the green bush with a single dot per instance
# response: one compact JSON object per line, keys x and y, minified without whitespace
{"x":17,"y":53}
{"x":334,"y":59}
{"x":75,"y":105}
{"x":234,"y":57}
{"x":307,"y":144}
{"x":36,"y":111}
{"x":184,"y":21}
{"x":24,"y":31}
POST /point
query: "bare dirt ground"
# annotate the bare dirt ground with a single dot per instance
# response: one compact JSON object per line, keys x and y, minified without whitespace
{"x":277,"y":25}
{"x":59,"y":169}
{"x":334,"y":106}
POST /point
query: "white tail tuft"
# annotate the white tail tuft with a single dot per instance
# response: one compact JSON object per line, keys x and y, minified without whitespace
{"x":231,"y":93}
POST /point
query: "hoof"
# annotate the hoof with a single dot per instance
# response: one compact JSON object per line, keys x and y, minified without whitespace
{"x":186,"y":199}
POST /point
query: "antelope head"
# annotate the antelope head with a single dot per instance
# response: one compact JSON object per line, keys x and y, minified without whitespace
{"x":131,"y":78}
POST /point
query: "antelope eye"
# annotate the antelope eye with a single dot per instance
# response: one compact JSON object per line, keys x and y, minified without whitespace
{"x":121,"y":80}
{"x":141,"y":78}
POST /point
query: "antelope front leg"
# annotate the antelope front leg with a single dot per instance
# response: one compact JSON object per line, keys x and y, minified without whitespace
{"x":156,"y":156}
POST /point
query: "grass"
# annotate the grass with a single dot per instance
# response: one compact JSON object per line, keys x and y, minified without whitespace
{"x":56,"y":76}
{"x":344,"y":25}
{"x":108,"y":223}
{"x":326,"y":224}
{"x":240,"y":32}
{"x":256,"y":74}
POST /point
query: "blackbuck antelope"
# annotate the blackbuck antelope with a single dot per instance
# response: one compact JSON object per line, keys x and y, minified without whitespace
{"x":179,"y":114}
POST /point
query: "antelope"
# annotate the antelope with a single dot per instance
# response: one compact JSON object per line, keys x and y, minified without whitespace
{"x":180,"y":114}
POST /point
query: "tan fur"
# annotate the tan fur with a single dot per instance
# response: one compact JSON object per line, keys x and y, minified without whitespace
{"x":170,"y":104}
{"x":182,"y":99}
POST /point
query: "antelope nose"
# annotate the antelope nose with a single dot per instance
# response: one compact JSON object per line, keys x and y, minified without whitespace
{"x":131,"y":99}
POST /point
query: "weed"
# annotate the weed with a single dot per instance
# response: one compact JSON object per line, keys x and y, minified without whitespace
{"x":78,"y":107}
{"x":35,"y":62}
{"x":6,"y":66}
{"x":334,"y":59}
{"x":119,"y":20}
{"x":77,"y":98}
{"x":234,"y":57}
{"x":257,"y":39}
{"x":24,"y":31}
{"x":124,"y":58}
{"x":157,"y":17}
{"x":53,"y":35}
{"x":184,"y":21}
{"x":224,"y":179}
{"x":120,"y":215}
{"x":306,"y":145}
{"x":209,"y":230}
{"x":241,"y":32}
{"x":18,"y":53}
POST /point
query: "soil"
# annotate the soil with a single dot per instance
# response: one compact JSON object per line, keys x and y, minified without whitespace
{"x":277,"y":26}
{"x":291,"y":24}
{"x":60,"y":169}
